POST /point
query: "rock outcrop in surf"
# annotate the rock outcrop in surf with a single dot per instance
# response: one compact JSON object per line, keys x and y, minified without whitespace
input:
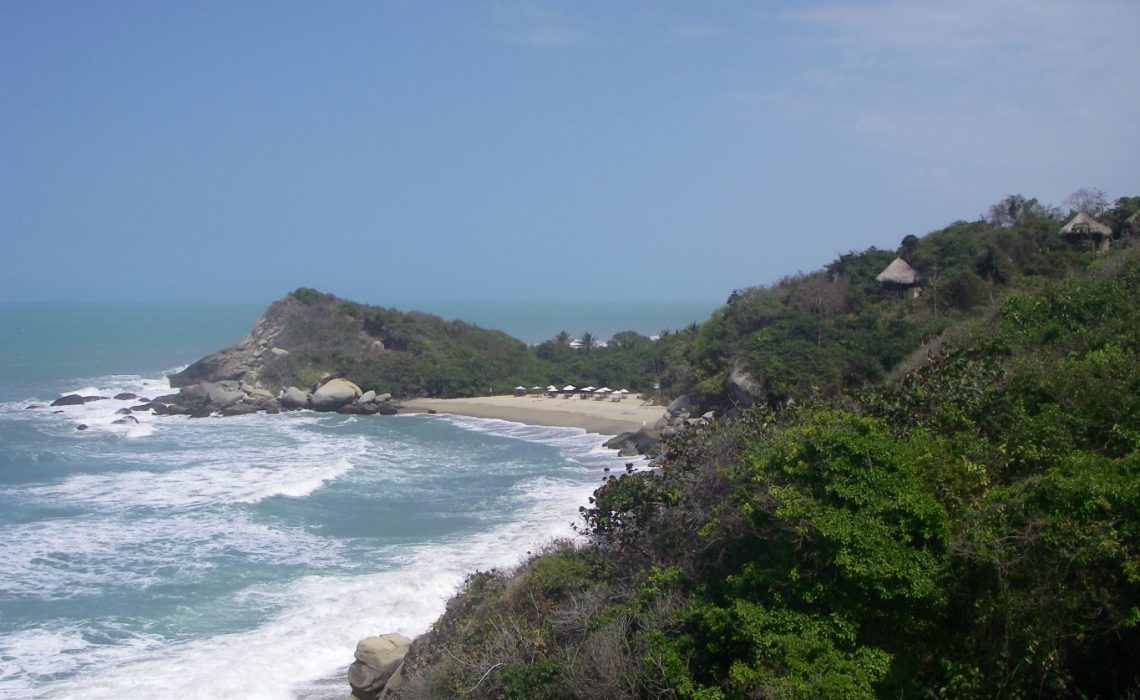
{"x":231,"y":397}
{"x":377,"y":666}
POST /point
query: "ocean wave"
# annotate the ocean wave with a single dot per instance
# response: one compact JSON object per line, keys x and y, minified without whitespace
{"x":321,"y":617}
{"x":233,"y":482}
{"x":63,"y":648}
{"x":194,"y":500}
{"x":89,"y":556}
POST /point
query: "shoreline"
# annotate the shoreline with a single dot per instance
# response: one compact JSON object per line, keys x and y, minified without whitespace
{"x":603,"y":417}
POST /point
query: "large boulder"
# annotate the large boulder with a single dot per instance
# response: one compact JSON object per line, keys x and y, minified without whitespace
{"x":293,"y":398}
{"x":377,"y":660}
{"x":679,"y":405}
{"x":334,"y":394}
{"x":76,"y":399}
{"x":239,"y":409}
{"x":359,"y":409}
{"x":69,"y":400}
{"x":742,"y":388}
{"x":645,"y":441}
{"x":223,"y":395}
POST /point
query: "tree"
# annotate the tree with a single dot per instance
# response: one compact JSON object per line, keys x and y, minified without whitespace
{"x":1015,"y":209}
{"x":1093,"y":202}
{"x":966,"y":290}
{"x":1125,"y":207}
{"x":628,"y":339}
{"x":821,"y":296}
{"x":934,"y":277}
{"x":993,"y":264}
{"x":562,"y":338}
{"x":588,"y":341}
{"x":908,"y":247}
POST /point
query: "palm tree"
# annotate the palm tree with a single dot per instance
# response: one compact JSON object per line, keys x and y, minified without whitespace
{"x":562,"y":338}
{"x":588,"y":341}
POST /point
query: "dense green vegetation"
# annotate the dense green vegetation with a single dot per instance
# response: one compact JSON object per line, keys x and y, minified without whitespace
{"x":831,"y":331}
{"x":817,"y":335}
{"x":965,"y":524}
{"x":416,"y":353}
{"x":391,"y":351}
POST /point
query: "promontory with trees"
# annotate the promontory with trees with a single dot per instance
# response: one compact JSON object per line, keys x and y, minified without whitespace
{"x":924,"y":485}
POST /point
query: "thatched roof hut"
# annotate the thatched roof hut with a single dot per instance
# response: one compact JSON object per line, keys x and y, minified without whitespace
{"x":899,"y":274}
{"x":1085,"y":228}
{"x":1084,"y":225}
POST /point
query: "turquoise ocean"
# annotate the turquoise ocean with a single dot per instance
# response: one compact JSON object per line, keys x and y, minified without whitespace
{"x":244,"y":557}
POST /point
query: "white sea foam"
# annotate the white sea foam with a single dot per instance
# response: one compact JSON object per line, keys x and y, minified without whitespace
{"x":98,"y":416}
{"x":238,"y":460}
{"x":235,"y":482}
{"x":49,"y":560}
{"x":185,"y":505}
{"x":62,"y":648}
{"x":324,"y":616}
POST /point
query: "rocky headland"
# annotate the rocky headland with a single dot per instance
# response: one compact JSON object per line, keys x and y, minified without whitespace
{"x":318,"y":352}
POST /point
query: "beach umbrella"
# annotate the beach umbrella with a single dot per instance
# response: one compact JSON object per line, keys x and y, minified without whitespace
{"x":569,"y":387}
{"x":552,"y":388}
{"x":520,"y":388}
{"x":604,"y":390}
{"x":536,"y":388}
{"x":623,"y":391}
{"x":589,"y":388}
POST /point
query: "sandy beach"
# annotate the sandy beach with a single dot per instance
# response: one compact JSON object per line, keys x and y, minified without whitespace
{"x":606,"y":417}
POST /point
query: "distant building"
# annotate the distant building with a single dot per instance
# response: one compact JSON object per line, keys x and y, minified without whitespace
{"x":1087,"y":232}
{"x":899,"y":277}
{"x":577,"y":344}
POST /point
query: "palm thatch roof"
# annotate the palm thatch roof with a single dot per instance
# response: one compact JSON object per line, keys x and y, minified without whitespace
{"x":898,"y":272}
{"x":1084,"y":225}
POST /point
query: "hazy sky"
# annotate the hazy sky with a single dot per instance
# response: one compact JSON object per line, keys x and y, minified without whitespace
{"x":532,"y":150}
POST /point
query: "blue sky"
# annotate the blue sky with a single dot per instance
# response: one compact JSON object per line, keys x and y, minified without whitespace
{"x":532,"y":150}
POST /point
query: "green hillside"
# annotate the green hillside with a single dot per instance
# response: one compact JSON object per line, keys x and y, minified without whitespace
{"x":831,"y":331}
{"x":965,"y":525}
{"x":391,"y":351}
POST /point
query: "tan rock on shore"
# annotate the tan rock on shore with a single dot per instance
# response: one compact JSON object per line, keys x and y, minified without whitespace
{"x":377,"y":665}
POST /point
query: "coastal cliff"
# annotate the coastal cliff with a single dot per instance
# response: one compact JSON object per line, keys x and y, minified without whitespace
{"x":245,"y":360}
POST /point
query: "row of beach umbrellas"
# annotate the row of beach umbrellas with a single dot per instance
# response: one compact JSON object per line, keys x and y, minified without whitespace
{"x":588,"y":390}
{"x":570,"y":388}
